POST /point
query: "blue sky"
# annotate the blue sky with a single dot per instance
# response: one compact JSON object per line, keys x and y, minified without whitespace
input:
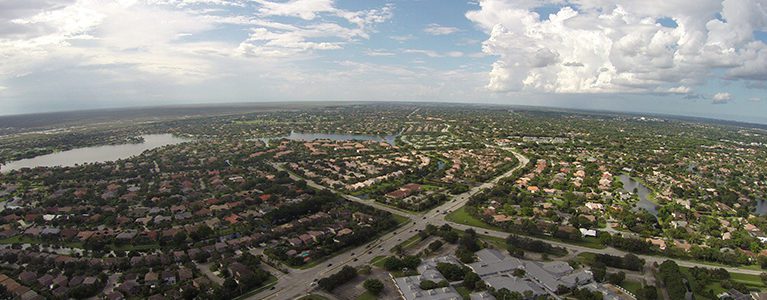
{"x":690,"y":57}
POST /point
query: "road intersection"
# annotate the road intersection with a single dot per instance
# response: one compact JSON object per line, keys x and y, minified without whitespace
{"x":299,"y":282}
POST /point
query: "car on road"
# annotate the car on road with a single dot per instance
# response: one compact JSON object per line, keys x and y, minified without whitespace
{"x":330,"y":265}
{"x":355,"y":259}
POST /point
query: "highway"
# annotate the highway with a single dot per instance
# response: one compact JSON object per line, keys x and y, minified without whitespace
{"x":299,"y":282}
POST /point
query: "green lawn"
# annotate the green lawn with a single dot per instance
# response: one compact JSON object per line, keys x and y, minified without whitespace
{"x":631,"y":286}
{"x":497,"y":243}
{"x":752,"y":281}
{"x":748,"y":279}
{"x":586,"y":258}
{"x":411,"y":242}
{"x":400,"y":219}
{"x":378,"y":261}
{"x":367,"y":296}
{"x":590,"y":242}
{"x":461,"y":216}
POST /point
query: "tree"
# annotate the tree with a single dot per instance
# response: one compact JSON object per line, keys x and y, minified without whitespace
{"x":473,"y":282}
{"x":202,"y":232}
{"x":230,"y":284}
{"x":201,"y":257}
{"x":763,"y":262}
{"x":333,"y":281}
{"x":392,"y":263}
{"x":450,"y":271}
{"x":464,"y":255}
{"x":427,"y":285}
{"x":374,"y":286}
{"x":519,"y":273}
{"x":435,"y":245}
{"x":616,"y":278}
{"x":505,"y":294}
{"x":469,"y":241}
{"x":673,"y":278}
{"x":411,"y":262}
{"x":179,"y":239}
{"x":450,"y":237}
{"x":648,"y":292}
{"x":599,"y":271}
{"x":190,"y":293}
{"x":398,"y":249}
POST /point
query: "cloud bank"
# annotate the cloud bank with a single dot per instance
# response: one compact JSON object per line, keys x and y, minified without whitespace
{"x":624,"y":46}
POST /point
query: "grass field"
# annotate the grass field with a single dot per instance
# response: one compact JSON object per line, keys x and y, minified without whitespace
{"x":751,"y":281}
{"x":400,"y":219}
{"x":497,"y":243}
{"x":367,"y":296}
{"x":378,"y":261}
{"x":586,"y":258}
{"x":461,"y":216}
{"x":631,"y":286}
{"x":411,"y":242}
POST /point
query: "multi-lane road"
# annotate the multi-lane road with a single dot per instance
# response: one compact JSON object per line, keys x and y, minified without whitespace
{"x":299,"y":282}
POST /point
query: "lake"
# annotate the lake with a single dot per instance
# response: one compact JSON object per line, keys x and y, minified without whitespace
{"x":95,"y":154}
{"x":298,"y":136}
{"x":629,"y":184}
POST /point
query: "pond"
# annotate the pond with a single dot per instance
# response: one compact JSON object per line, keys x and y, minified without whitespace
{"x":95,"y":154}
{"x":761,"y":207}
{"x":629,"y":184}
{"x":306,"y":137}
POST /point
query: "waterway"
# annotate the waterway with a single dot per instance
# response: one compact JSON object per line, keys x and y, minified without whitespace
{"x":629,"y":184}
{"x":95,"y":154}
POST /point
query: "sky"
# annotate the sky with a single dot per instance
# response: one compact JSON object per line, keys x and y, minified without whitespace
{"x":688,"y":57}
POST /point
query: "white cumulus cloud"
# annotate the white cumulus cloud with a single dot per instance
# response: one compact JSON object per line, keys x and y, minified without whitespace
{"x":597,"y":46}
{"x":721,"y":98}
